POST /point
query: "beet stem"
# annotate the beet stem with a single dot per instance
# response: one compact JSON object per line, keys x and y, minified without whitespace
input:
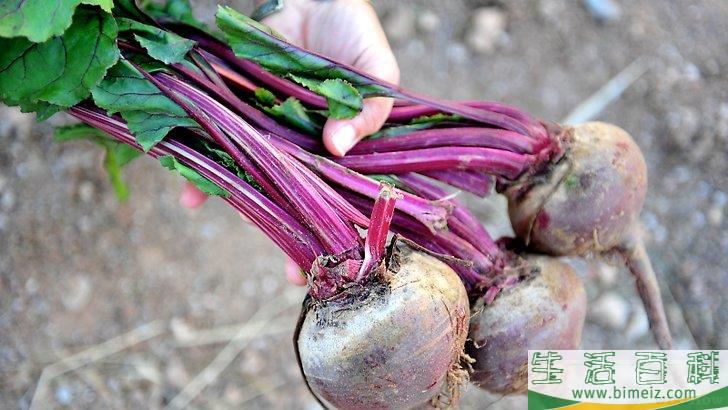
{"x":477,"y":183}
{"x":376,"y":239}
{"x":443,"y":137}
{"x":292,"y":237}
{"x":336,"y":235}
{"x":505,"y":164}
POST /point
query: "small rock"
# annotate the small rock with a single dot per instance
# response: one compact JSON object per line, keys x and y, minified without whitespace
{"x":722,"y":122}
{"x":488,"y":24}
{"x":552,"y":10}
{"x":181,"y":330}
{"x":233,"y":395}
{"x":457,"y":52}
{"x":639,"y":325}
{"x":684,"y":124}
{"x":428,"y":21}
{"x":77,"y":292}
{"x":7,"y":201}
{"x":416,"y":48}
{"x":400,"y":24}
{"x":603,"y":11}
{"x":64,"y":396}
{"x":31,"y":286}
{"x":86,"y":191}
{"x":607,"y":274}
{"x":176,"y":373}
{"x":611,"y":310}
{"x":715,"y":215}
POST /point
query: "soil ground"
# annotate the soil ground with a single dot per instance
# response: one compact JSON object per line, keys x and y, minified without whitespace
{"x":78,"y":269}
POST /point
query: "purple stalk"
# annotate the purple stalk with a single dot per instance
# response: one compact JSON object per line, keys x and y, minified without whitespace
{"x":347,"y":210}
{"x":475,"y":182}
{"x":252,"y":114}
{"x":270,"y":80}
{"x":337,"y":236}
{"x":224,"y":71}
{"x":505,"y":164}
{"x":284,"y":86}
{"x":407,"y":111}
{"x":462,"y":222}
{"x":432,"y":216}
{"x":465,"y":137}
{"x":275,"y":222}
{"x":441,"y":242}
{"x":376,"y":239}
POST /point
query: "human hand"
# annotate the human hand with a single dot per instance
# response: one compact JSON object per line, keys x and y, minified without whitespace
{"x":348,"y":31}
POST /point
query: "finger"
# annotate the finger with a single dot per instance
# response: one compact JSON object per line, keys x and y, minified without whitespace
{"x":341,"y":135}
{"x":294,"y":274}
{"x":191,"y":197}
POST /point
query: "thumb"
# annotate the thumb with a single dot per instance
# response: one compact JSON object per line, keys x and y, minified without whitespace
{"x":341,"y":135}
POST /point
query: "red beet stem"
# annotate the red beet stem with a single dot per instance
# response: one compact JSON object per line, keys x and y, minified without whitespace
{"x":376,"y":239}
{"x":477,"y":183}
{"x":505,"y":164}
{"x":462,"y":222}
{"x":336,"y":235}
{"x":291,"y":236}
{"x":465,"y":137}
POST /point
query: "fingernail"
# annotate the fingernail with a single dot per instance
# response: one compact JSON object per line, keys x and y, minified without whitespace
{"x":344,"y":138}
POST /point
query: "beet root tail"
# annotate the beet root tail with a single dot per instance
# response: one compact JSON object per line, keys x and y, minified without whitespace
{"x":633,"y":253}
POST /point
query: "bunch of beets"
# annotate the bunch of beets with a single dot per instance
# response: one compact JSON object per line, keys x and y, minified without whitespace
{"x":409,"y":296}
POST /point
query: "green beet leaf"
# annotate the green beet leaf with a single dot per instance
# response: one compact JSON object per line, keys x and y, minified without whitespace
{"x":149,"y":114}
{"x":162,"y":45}
{"x":254,"y":41}
{"x":342,"y":99}
{"x":63,"y":69}
{"x":292,"y":112}
{"x":178,"y":10}
{"x":202,"y":183}
{"x":39,"y":20}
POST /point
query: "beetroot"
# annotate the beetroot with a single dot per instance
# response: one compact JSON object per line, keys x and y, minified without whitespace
{"x":393,"y":343}
{"x":544,"y":311}
{"x":586,"y":201}
{"x":589,"y":202}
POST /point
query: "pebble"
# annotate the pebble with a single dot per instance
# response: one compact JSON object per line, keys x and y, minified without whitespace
{"x":715,"y":216}
{"x":77,"y":292}
{"x":607,"y":274}
{"x":63,"y":394}
{"x":488,"y":24}
{"x":233,"y":395}
{"x":722,"y":123}
{"x":428,"y":21}
{"x":639,"y":325}
{"x":7,"y":201}
{"x":603,"y":11}
{"x":175,"y":373}
{"x":400,"y":24}
{"x":31,"y":286}
{"x":86,"y":191}
{"x":684,"y":124}
{"x":457,"y":52}
{"x":611,"y":310}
